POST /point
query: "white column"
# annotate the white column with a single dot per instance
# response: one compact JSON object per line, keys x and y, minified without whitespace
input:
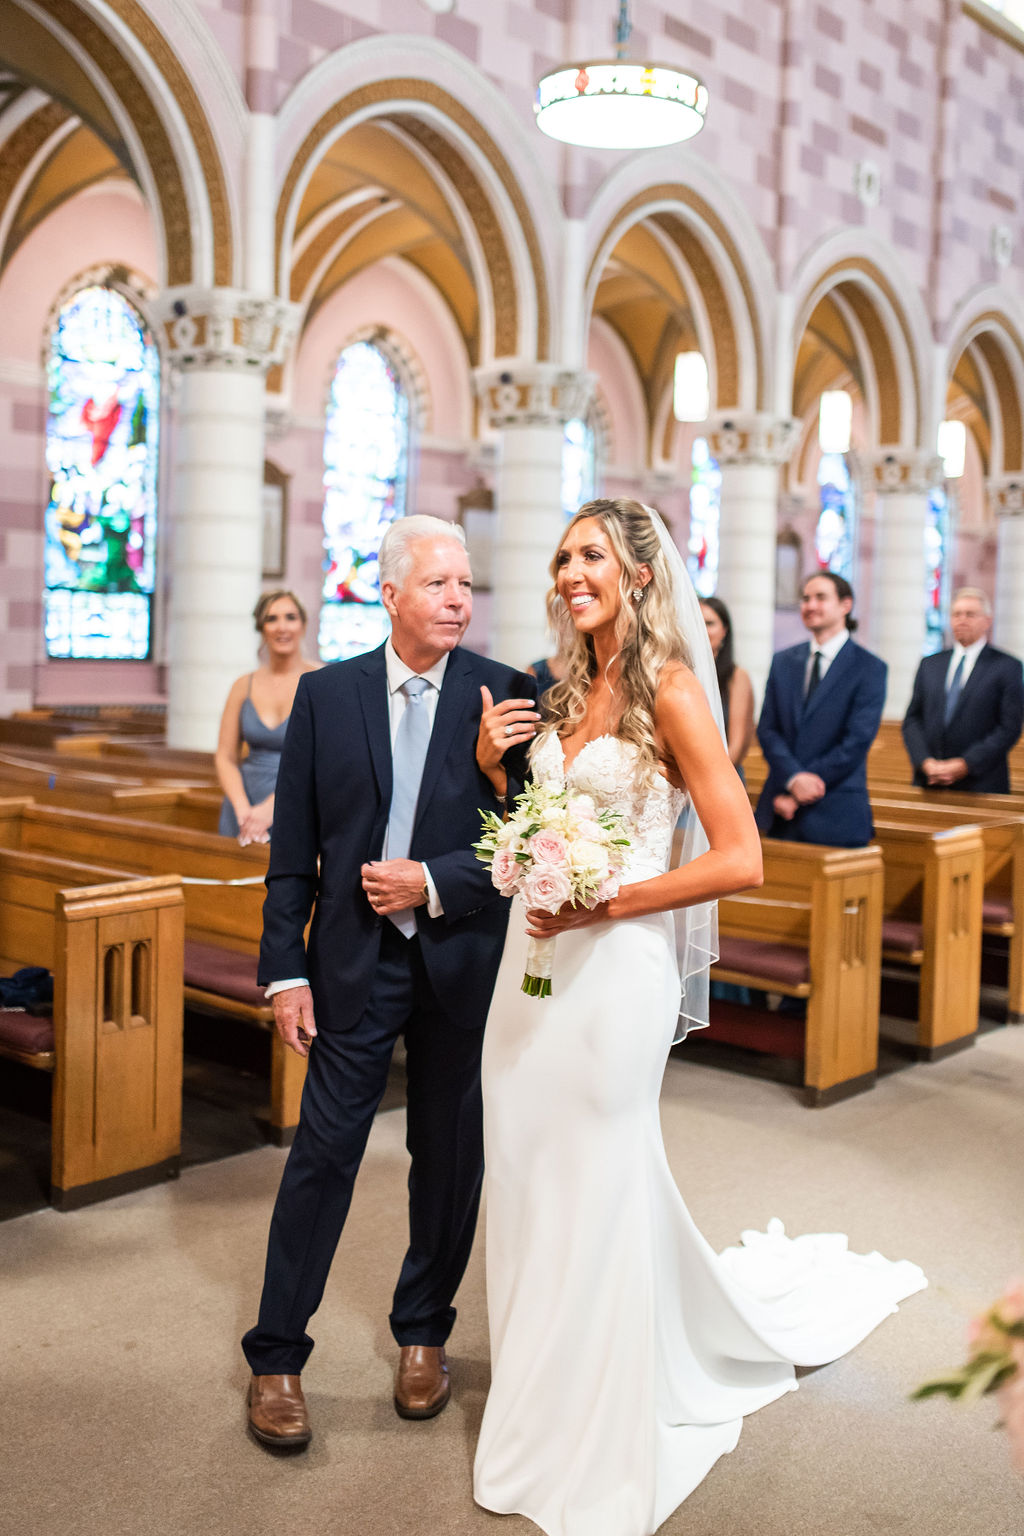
{"x":902,"y":480}
{"x":529,"y":403}
{"x":1008,"y":501}
{"x":750,"y":451}
{"x":221,"y":342}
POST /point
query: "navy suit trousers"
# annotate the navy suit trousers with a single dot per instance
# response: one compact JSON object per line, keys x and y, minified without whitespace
{"x":345,"y":1081}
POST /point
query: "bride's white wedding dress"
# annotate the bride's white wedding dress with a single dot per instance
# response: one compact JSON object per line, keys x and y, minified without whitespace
{"x":624,"y":1350}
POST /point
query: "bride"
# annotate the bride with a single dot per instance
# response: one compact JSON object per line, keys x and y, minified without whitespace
{"x":624,"y":1351}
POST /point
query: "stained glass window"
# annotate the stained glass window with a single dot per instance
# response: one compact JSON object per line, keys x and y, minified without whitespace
{"x":936,"y":569}
{"x":705,"y":506}
{"x":366,"y":447}
{"x":836,"y":531}
{"x":103,"y":375}
{"x":579,"y":465}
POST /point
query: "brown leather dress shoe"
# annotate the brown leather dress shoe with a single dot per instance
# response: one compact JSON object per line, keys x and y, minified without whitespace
{"x":277,"y":1412}
{"x":422,"y":1387}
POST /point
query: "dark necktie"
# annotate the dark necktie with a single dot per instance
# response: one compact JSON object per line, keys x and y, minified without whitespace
{"x":955,"y":689}
{"x":407,"y":758}
{"x":815,"y":677}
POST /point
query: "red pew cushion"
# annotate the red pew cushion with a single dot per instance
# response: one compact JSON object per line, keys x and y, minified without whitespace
{"x":773,"y":962}
{"x":223,"y":971}
{"x":25,"y":1032}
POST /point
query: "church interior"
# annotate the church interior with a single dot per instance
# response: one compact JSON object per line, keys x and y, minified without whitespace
{"x":275,"y":273}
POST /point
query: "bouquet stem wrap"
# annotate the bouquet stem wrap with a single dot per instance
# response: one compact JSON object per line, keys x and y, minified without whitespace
{"x":540,"y":958}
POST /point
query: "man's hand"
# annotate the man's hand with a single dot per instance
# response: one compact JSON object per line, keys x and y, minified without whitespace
{"x":293,"y":1018}
{"x":805,"y":788}
{"x":944,"y":770}
{"x":392,"y":885}
{"x":785,"y":806}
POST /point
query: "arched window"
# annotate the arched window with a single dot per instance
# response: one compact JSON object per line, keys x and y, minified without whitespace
{"x":103,"y":375}
{"x":579,"y":465}
{"x":936,"y":574}
{"x":366,"y":449}
{"x":705,"y":506}
{"x":834,"y":537}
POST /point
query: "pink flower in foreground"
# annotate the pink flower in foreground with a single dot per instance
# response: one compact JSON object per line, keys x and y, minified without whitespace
{"x":548,"y":848}
{"x":607,"y":889}
{"x":505,"y":871}
{"x":546,"y":888}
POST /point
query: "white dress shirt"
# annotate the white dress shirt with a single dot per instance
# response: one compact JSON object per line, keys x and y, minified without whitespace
{"x":397,"y":674}
{"x":829,"y":650}
{"x":970,"y":654}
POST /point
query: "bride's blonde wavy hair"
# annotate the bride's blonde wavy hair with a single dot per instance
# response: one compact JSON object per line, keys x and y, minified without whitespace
{"x":648,"y":633}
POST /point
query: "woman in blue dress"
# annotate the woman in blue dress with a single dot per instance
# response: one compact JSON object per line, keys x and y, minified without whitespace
{"x":256,"y":716}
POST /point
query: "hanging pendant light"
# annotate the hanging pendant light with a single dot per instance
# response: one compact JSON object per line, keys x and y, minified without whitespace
{"x":618,"y":103}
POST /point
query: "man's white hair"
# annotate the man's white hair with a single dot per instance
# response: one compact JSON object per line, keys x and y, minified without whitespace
{"x":980,"y":597}
{"x":395,"y":556}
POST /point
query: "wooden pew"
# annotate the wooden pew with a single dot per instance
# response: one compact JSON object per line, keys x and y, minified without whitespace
{"x":934,"y":885}
{"x":812,"y":931}
{"x":192,"y":806}
{"x":114,"y":1041}
{"x":223,"y":919}
{"x":1003,"y":894}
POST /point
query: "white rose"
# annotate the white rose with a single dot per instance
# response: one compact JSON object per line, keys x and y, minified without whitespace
{"x":589,"y":858}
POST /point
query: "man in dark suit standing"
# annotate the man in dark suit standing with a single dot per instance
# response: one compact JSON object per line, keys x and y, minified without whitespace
{"x":967,"y":707}
{"x":822,"y":706}
{"x":375,"y":814}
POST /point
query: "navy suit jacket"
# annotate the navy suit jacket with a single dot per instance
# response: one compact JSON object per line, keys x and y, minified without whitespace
{"x":829,"y":735}
{"x":985,"y":724}
{"x":331,"y":810}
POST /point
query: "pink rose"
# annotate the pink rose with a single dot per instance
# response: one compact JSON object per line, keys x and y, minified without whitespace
{"x":581,"y":806}
{"x":546,"y":888}
{"x":548,"y":848}
{"x":505,"y":871}
{"x":607,"y":889}
{"x":590,"y":831}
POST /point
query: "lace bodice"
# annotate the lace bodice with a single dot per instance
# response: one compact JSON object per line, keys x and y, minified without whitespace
{"x":605,"y":769}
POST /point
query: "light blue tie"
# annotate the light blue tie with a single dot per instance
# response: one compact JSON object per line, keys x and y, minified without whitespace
{"x":408,"y":755}
{"x":953,"y":692}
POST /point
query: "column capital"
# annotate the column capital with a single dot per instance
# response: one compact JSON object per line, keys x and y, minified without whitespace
{"x":904,"y":471}
{"x":749,"y":437}
{"x":224,"y":328}
{"x":1006,"y":494}
{"x":513,"y":393}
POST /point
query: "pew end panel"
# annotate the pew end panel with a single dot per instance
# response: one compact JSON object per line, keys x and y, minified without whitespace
{"x":118,"y":1022}
{"x":936,"y":880}
{"x":813,"y":931}
{"x":846,"y":973}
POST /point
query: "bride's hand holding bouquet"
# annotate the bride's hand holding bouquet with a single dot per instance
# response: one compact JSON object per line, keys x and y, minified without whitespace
{"x":564,"y":857}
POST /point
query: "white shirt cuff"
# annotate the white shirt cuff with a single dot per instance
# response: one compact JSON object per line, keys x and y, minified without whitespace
{"x":434,"y":907}
{"x":285,"y":986}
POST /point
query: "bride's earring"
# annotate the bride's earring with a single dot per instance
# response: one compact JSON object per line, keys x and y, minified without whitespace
{"x":637,"y":594}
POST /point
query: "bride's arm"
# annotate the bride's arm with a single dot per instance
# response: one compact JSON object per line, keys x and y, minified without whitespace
{"x":689,"y":736}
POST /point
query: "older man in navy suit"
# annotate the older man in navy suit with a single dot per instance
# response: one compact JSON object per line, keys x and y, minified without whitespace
{"x":967,"y":706}
{"x":376,"y":811}
{"x":822,"y":706}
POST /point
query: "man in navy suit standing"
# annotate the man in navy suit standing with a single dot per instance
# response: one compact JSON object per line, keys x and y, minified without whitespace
{"x":967,"y":706}
{"x":821,"y":711}
{"x":377,"y":807}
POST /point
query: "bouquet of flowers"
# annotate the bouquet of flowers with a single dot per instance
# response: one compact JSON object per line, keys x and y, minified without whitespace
{"x":554,"y":847}
{"x":995,"y":1364}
